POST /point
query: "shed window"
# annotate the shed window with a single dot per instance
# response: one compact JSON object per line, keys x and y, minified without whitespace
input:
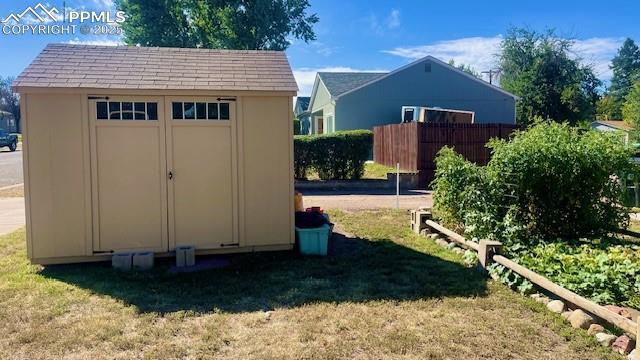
{"x":152,"y":111}
{"x":127,"y":111}
{"x":101,"y":110}
{"x":115,"y":110}
{"x":224,"y":111}
{"x":200,"y":111}
{"x":189,"y":111}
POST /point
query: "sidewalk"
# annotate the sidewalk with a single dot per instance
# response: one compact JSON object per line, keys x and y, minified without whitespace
{"x":12,"y":215}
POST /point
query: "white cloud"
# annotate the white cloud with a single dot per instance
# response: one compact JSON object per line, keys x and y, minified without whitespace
{"x":599,"y":52}
{"x":393,"y":20}
{"x":477,"y":52}
{"x":480,"y":52}
{"x":97,"y":41}
{"x":306,"y":76}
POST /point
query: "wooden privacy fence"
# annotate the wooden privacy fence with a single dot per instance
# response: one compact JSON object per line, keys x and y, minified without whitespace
{"x":415,"y":145}
{"x":489,"y":251}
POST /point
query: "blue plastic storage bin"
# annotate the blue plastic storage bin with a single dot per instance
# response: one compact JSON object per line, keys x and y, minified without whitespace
{"x":314,"y":241}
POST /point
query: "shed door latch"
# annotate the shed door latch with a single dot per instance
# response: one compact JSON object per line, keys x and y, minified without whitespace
{"x":170,"y":175}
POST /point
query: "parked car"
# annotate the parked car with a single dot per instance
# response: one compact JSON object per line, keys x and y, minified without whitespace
{"x":8,"y":140}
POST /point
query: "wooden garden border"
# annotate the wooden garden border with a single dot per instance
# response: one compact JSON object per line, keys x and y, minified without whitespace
{"x":489,"y":251}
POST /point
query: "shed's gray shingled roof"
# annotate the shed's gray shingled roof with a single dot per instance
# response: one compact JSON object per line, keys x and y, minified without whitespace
{"x":126,"y":67}
{"x":338,"y":83}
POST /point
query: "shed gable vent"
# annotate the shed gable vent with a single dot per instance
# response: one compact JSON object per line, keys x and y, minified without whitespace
{"x":427,"y":67}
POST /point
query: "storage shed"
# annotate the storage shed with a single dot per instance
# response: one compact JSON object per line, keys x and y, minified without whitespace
{"x":147,"y":149}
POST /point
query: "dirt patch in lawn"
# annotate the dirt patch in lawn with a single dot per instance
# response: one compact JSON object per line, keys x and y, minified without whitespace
{"x":383,"y":293}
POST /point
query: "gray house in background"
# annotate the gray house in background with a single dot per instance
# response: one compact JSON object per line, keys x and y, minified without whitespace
{"x":347,"y":101}
{"x":301,"y":112}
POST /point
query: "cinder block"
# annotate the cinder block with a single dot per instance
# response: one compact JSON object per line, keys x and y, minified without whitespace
{"x":185,"y":256}
{"x":143,"y":260}
{"x":419,"y":219}
{"x":121,"y":261}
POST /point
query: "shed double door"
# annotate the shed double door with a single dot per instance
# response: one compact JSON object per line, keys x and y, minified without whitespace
{"x":163,"y":173}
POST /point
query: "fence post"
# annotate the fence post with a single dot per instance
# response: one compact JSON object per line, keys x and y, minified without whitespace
{"x":638,"y":334}
{"x":487,"y":249}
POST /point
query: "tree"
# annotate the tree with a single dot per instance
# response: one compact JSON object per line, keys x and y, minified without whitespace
{"x":226,"y":24}
{"x":626,"y":70}
{"x":9,"y":100}
{"x":465,"y":68}
{"x":631,"y":107}
{"x":551,"y":84}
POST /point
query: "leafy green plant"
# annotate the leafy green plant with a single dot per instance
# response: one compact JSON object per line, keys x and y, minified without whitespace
{"x":339,"y":155}
{"x":542,"y":194}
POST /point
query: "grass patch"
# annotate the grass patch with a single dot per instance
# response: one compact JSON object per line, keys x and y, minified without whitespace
{"x":371,"y":171}
{"x":384,"y":293}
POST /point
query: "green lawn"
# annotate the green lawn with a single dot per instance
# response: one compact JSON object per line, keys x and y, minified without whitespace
{"x":386,"y":293}
{"x":371,"y":171}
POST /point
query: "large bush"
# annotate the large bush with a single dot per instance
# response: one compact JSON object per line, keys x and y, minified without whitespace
{"x":339,"y":155}
{"x":551,"y":181}
{"x":549,"y":194}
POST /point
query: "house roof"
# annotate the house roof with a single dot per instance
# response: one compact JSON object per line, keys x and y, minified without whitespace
{"x":616,"y":124}
{"x":338,"y":83}
{"x":437,"y":61}
{"x":303,"y":102}
{"x":127,"y":67}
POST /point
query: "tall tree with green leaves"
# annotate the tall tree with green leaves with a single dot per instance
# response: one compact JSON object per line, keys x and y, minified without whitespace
{"x":551,"y":83}
{"x":225,"y":24}
{"x":465,"y":68}
{"x":626,"y":70}
{"x":9,"y":100}
{"x":631,"y":107}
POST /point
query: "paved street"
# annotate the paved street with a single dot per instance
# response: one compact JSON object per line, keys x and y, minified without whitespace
{"x":10,"y":167}
{"x":367,"y":201}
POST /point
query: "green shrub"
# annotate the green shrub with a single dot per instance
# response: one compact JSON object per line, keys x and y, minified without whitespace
{"x":542,"y":193}
{"x":339,"y":155}
{"x":551,"y":181}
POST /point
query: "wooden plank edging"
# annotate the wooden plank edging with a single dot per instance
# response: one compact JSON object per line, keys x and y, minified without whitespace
{"x":620,"y":321}
{"x":454,"y":236}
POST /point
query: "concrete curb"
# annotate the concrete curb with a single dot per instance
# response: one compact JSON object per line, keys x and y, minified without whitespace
{"x":11,"y":186}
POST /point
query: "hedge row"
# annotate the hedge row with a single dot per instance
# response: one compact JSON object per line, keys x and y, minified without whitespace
{"x":340,"y":155}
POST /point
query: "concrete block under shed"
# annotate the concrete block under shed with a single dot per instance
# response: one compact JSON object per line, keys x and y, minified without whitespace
{"x":143,"y":260}
{"x":185,"y":256}
{"x":122,"y":261}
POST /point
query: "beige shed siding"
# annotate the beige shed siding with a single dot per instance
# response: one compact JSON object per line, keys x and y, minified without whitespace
{"x":267,"y":172}
{"x":57,"y":175}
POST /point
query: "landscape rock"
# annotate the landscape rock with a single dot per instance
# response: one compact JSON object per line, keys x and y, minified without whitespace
{"x":540,"y":298}
{"x":457,"y":250}
{"x":565,"y":315}
{"x":623,"y":345}
{"x":267,"y":315}
{"x":556,"y":306}
{"x":605,"y":339}
{"x":634,"y":355}
{"x":580,"y":320}
{"x":435,"y":236}
{"x":442,"y":242}
{"x":594,"y":329}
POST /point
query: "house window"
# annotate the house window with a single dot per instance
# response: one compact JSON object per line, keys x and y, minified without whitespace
{"x":408,"y":115}
{"x":116,"y":110}
{"x":200,"y":111}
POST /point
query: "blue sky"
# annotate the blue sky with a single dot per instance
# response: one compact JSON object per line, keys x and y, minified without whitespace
{"x":383,"y":35}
